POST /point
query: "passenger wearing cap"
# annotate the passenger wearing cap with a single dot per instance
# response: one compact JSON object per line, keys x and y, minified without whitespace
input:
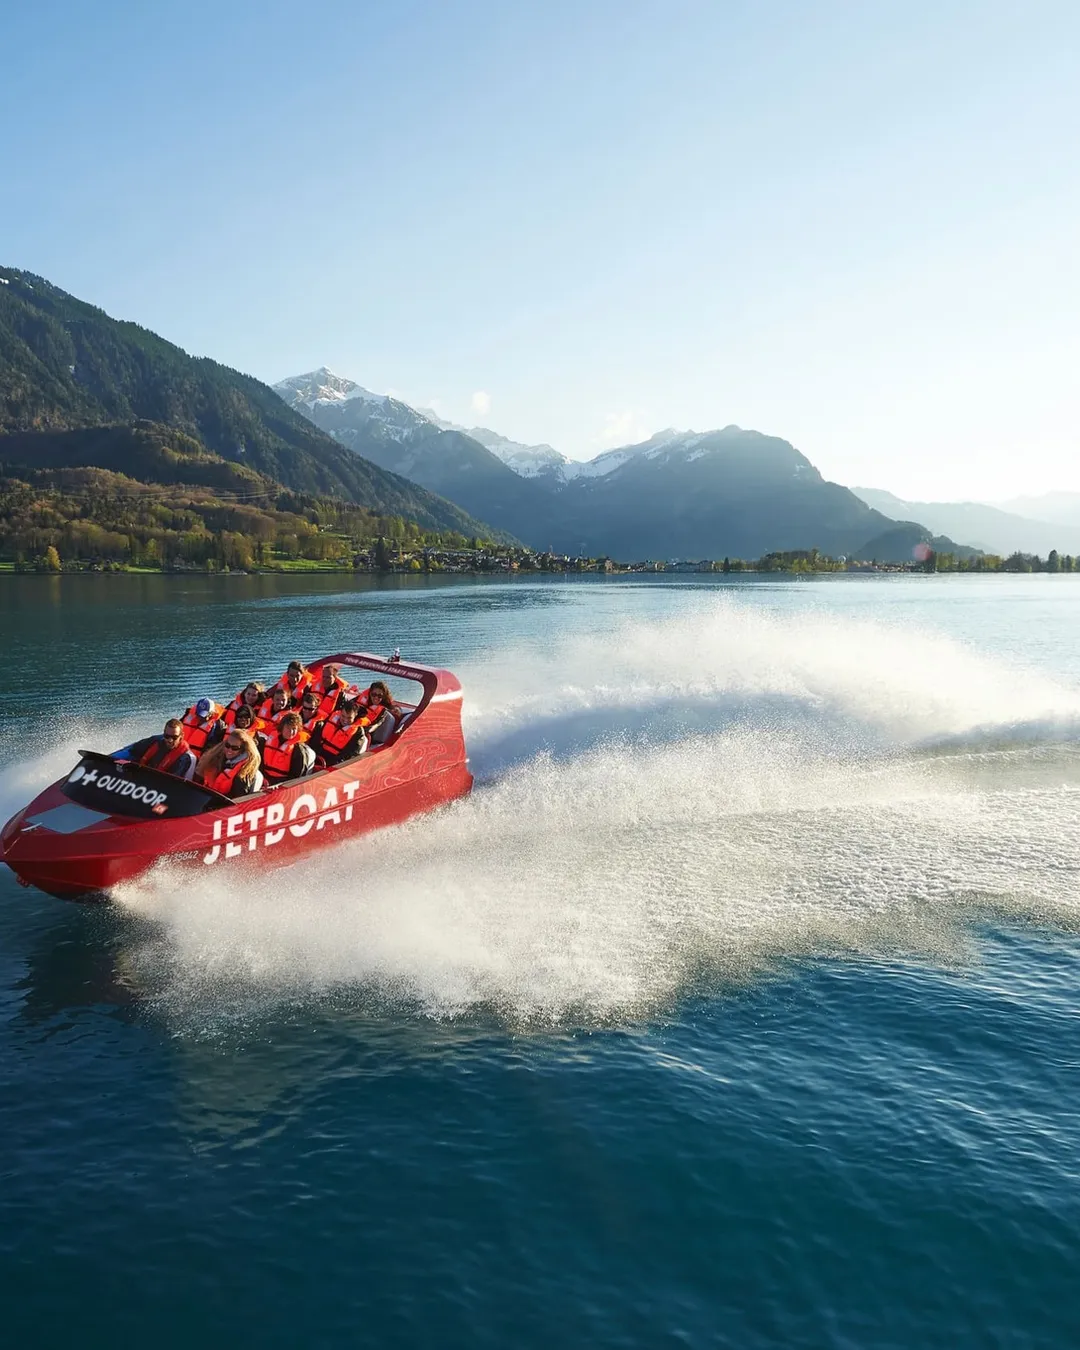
{"x":199,"y":721}
{"x":169,"y":752}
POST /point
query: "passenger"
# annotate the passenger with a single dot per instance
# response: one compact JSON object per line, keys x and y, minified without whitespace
{"x":330,"y":687}
{"x":378,"y":712}
{"x":310,"y":711}
{"x":341,"y":737}
{"x":199,"y":721}
{"x":232,"y":766}
{"x":244,"y":719}
{"x":295,"y":680}
{"x":275,"y":707}
{"x":168,"y":752}
{"x":252,"y":694}
{"x":286,"y":754}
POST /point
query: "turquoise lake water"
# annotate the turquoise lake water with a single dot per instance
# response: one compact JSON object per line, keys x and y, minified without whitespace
{"x":737,"y":1006}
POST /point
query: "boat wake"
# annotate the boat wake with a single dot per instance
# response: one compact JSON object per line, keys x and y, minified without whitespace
{"x":681,"y":816}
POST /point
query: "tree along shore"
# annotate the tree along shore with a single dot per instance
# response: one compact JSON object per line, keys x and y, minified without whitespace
{"x":478,"y":556}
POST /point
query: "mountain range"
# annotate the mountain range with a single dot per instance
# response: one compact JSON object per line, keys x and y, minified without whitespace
{"x":82,"y":391}
{"x":679,"y":494}
{"x":987,"y":527}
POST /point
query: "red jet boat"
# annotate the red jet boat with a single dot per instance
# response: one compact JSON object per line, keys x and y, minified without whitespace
{"x":111,"y":820}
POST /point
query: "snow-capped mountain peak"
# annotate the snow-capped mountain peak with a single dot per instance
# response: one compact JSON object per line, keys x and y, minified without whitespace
{"x":323,"y":386}
{"x":347,"y":410}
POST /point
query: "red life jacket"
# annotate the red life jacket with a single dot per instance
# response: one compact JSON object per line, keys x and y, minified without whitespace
{"x":336,"y":736}
{"x":223,"y":780}
{"x":162,"y":756}
{"x":277,"y":757}
{"x":196,"y":730}
{"x":310,"y":723}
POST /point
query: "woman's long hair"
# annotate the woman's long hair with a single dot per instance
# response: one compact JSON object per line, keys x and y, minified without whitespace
{"x":212,"y":761}
{"x":385,"y":694}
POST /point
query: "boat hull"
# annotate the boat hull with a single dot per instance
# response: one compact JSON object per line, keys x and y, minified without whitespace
{"x":69,"y":851}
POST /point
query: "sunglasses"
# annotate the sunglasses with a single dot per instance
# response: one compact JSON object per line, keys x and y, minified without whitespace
{"x":172,"y":735}
{"x":234,"y":745}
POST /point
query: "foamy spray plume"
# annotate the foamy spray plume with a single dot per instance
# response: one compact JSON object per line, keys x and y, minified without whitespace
{"x":641,"y":832}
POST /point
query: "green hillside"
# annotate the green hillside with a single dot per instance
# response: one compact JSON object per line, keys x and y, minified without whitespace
{"x":66,"y":366}
{"x":75,"y":492}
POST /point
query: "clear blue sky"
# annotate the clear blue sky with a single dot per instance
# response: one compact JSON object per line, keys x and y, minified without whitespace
{"x":851,"y":223}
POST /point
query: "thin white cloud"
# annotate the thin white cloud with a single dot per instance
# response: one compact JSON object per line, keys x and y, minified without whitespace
{"x":481,"y":402}
{"x":622,"y":428}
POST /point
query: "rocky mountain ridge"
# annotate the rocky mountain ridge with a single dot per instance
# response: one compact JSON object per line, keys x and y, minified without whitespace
{"x":678,"y":494}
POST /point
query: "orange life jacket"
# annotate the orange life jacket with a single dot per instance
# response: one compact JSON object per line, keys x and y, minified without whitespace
{"x":374,"y":709}
{"x":310,"y":723}
{"x":294,"y":691}
{"x":265,"y":711}
{"x":169,"y":754}
{"x":196,"y":730}
{"x":277,"y":756}
{"x":258,"y":724}
{"x":238,"y":702}
{"x":330,"y":697}
{"x":336,"y":736}
{"x":224,"y":779}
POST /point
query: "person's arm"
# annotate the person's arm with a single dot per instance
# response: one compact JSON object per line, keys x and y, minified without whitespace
{"x":136,"y":749}
{"x":185,"y":765}
{"x":356,"y":746}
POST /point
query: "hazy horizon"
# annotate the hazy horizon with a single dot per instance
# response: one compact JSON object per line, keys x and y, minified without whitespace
{"x":853,"y":230}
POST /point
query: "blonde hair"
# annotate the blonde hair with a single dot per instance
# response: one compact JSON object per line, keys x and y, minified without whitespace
{"x":212,"y":761}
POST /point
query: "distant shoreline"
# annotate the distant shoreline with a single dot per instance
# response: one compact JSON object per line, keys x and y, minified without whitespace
{"x":895,"y":570}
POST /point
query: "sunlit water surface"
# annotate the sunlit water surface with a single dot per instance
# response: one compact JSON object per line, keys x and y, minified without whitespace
{"x":736,"y":1007}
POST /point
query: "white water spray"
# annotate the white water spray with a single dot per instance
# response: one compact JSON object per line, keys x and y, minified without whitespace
{"x":674,"y":810}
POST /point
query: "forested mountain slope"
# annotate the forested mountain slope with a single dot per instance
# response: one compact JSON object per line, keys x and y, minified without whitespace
{"x":66,"y":366}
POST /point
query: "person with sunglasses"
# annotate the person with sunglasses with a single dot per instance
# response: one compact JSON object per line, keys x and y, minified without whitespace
{"x":245,"y":718}
{"x":310,"y":711}
{"x":232,"y":766}
{"x":169,"y":752}
{"x":379,"y":714}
